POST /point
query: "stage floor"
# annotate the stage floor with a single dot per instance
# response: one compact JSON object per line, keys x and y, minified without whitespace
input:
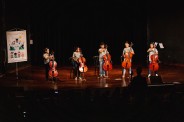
{"x":33,"y":77}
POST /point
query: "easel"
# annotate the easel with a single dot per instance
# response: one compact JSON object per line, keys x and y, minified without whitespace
{"x":16,"y":62}
{"x":17,"y":71}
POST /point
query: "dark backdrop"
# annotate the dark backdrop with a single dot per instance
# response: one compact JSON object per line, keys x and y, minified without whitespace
{"x":62,"y":26}
{"x":77,"y":23}
{"x":167,"y":26}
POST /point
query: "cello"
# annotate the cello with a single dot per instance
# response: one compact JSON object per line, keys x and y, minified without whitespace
{"x":53,"y":64}
{"x":82,"y":66}
{"x":127,"y":59}
{"x":107,"y":65}
{"x":154,"y":62}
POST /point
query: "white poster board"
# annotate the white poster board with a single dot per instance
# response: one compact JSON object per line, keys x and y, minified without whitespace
{"x":16,"y":46}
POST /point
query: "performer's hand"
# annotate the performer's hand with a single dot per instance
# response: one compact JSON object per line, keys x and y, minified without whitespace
{"x":149,"y":50}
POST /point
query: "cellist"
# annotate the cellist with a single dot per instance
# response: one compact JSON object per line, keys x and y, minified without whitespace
{"x":128,"y":50}
{"x":46,"y":57}
{"x":53,"y":73}
{"x":102,"y":51}
{"x":152,"y":50}
{"x":76,"y":55}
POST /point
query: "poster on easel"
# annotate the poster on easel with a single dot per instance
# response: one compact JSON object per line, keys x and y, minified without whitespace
{"x":16,"y":46}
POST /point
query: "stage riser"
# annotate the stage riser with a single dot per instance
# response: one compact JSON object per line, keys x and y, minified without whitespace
{"x":89,"y":92}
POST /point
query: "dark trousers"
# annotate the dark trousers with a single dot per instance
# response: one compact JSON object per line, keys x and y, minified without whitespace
{"x":47,"y":71}
{"x":76,"y":69}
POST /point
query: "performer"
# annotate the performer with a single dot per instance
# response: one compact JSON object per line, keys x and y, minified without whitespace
{"x":152,"y":50}
{"x":76,"y":55}
{"x":46,"y":58}
{"x":127,"y":51}
{"x":102,"y":51}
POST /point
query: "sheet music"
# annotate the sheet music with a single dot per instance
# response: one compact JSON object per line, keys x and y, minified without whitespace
{"x":161,"y":45}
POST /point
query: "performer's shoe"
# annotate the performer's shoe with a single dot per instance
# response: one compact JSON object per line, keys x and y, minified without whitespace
{"x":100,"y":76}
{"x":156,"y":74}
{"x":75,"y":78}
{"x":105,"y":76}
{"x":80,"y":78}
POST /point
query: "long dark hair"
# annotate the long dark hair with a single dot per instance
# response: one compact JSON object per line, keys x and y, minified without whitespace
{"x":75,"y":49}
{"x":45,"y":50}
{"x":102,"y":43}
{"x":127,"y":42}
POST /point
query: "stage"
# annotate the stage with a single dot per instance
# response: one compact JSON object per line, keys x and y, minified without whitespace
{"x":33,"y":77}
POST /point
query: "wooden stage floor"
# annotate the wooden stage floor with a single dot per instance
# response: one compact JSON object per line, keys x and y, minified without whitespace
{"x":32,"y":77}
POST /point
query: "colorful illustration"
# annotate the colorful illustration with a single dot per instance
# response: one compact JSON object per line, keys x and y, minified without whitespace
{"x":16,"y":46}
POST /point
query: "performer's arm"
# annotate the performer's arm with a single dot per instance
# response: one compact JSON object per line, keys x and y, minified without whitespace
{"x":156,"y":51}
{"x":123,"y":53}
{"x":101,"y":50}
{"x":73,"y":55}
{"x":149,"y":50}
{"x":45,"y":56}
{"x":132,"y":51}
{"x":107,"y":51}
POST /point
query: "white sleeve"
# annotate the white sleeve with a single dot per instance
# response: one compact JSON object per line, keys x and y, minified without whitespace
{"x":156,"y":50}
{"x":123,"y":51}
{"x":44,"y":56}
{"x":131,"y":49}
{"x":107,"y":51}
{"x":73,"y":54}
{"x":99,"y":50}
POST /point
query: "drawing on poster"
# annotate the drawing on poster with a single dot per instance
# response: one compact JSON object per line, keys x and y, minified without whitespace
{"x":16,"y":46}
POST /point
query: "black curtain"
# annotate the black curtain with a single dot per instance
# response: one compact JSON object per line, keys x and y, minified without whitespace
{"x":86,"y":24}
